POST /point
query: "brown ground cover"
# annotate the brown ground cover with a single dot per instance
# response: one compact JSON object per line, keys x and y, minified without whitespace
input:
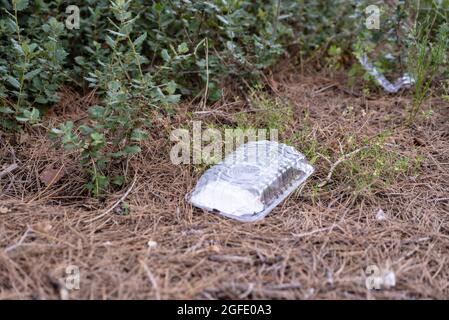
{"x":316,"y":244}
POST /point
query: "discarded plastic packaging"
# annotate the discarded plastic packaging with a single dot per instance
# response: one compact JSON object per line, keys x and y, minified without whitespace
{"x":251,"y":181}
{"x":403,"y":82}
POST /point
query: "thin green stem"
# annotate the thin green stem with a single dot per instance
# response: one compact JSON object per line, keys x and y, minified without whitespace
{"x":22,"y":75}
{"x":136,"y":56}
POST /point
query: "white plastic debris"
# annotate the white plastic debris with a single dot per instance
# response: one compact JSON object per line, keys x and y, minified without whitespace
{"x":388,"y":279}
{"x":403,"y":82}
{"x":4,"y":210}
{"x":152,"y":244}
{"x":251,"y":181}
{"x":380,"y":215}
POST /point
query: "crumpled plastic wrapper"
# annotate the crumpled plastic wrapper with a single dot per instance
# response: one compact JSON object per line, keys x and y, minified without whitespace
{"x":403,"y":82}
{"x":251,"y":181}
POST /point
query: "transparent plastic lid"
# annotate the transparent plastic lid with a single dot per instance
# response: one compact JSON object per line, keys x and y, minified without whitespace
{"x":406,"y":81}
{"x":251,"y":181}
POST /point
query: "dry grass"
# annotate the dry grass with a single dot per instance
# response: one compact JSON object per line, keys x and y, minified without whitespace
{"x":315,"y":245}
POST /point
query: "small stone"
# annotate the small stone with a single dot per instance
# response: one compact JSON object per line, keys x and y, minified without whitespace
{"x":122,"y":209}
{"x":43,"y":227}
{"x":152,"y":244}
{"x":380,"y":216}
{"x":4,"y":210}
{"x":51,"y":175}
{"x":214,"y":248}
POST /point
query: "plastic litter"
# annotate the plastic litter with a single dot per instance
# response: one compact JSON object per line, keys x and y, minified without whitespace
{"x":388,"y":279}
{"x":151,"y":244}
{"x":251,"y":181}
{"x":403,"y":82}
{"x":380,"y":215}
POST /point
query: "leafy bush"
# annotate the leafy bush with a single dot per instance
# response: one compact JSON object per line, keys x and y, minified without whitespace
{"x":31,"y":67}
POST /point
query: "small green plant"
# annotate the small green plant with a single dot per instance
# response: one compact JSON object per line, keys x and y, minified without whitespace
{"x":268,"y":112}
{"x":426,"y":57}
{"x":334,"y":59}
{"x":375,"y":164}
{"x":362,"y":163}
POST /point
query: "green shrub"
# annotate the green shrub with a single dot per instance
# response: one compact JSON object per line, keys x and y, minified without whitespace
{"x":31,"y":67}
{"x":129,"y":92}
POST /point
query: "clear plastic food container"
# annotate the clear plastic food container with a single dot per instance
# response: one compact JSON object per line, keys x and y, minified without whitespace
{"x":251,"y":181}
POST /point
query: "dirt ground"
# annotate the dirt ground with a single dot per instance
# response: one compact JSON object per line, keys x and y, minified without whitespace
{"x":317,"y":244}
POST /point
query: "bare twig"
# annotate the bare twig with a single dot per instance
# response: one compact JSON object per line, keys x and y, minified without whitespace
{"x":324,"y":88}
{"x":340,"y":160}
{"x":21,"y":240}
{"x":152,"y":279}
{"x":8,"y":170}
{"x":309,"y":233}
{"x":248,"y":291}
{"x":229,"y":258}
{"x":116,"y":203}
